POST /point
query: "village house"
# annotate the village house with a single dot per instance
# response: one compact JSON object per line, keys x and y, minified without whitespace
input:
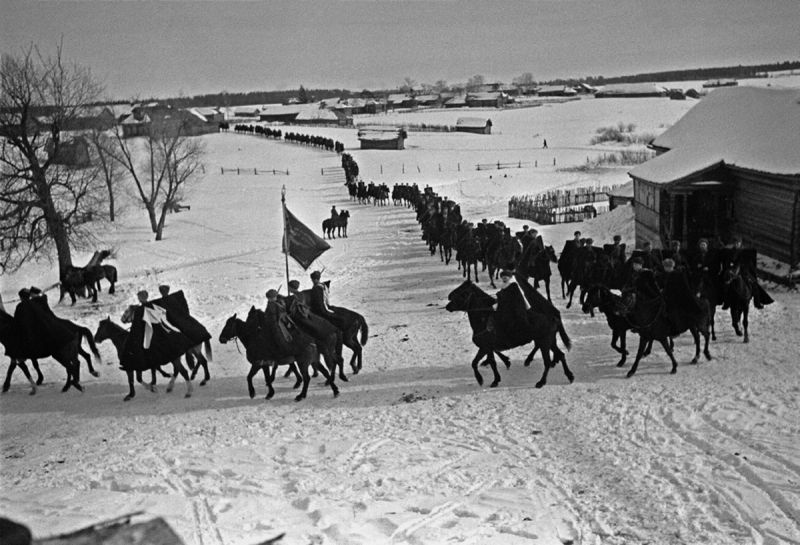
{"x":381,"y":137}
{"x":729,"y":167}
{"x":631,"y":90}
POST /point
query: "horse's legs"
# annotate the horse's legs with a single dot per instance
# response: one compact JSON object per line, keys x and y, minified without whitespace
{"x":639,"y":353}
{"x":475,"y":361}
{"x":131,"y":391}
{"x":505,"y":359}
{"x":696,"y":336}
{"x":735,"y":317}
{"x":745,"y":312}
{"x":304,"y":364}
{"x":179,"y":368}
{"x":88,"y":359}
{"x":547,"y":365}
{"x":111,"y":289}
{"x":559,"y":355}
{"x":254,"y":368}
{"x":712,"y":308}
{"x":547,"y":288}
{"x":529,"y":359}
{"x":11,"y":366}
{"x":668,"y":349}
{"x":493,"y":364}
{"x":39,"y":375}
{"x":27,"y":374}
{"x":623,"y":350}
{"x":270,"y":378}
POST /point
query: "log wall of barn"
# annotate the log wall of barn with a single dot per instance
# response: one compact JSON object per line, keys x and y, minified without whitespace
{"x":647,"y":211}
{"x":766,"y":214}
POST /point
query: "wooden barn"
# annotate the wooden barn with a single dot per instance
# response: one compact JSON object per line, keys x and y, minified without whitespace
{"x":323,"y":116}
{"x":136,"y":124}
{"x":620,"y":196}
{"x":478,"y":125}
{"x":380,"y":137}
{"x":459,"y":101}
{"x":729,"y":167}
{"x":556,"y":91}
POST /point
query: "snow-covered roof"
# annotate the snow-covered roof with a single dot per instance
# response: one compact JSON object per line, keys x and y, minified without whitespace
{"x":379,"y":132}
{"x":461,"y":99}
{"x":476,"y":122}
{"x":754,"y":128}
{"x":131,"y":120}
{"x":632,"y":89}
{"x":426,"y":98}
{"x":557,"y":89}
{"x":624,"y":190}
{"x":319,"y":114}
{"x":491,"y":95}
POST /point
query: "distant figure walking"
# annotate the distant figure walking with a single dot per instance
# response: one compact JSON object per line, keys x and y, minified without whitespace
{"x":544,"y":144}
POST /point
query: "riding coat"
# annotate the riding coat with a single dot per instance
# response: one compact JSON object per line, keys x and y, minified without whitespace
{"x":511,"y":317}
{"x":152,"y":342}
{"x":42,"y":332}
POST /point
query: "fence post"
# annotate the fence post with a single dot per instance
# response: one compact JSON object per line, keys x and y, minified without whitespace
{"x":459,"y":167}
{"x":440,"y":167}
{"x":554,"y":161}
{"x":404,"y":168}
{"x":520,"y":164}
{"x":322,"y":172}
{"x":536,"y":163}
{"x":418,"y":170}
{"x":255,"y":172}
{"x":498,"y":165}
{"x":221,"y":170}
{"x":237,"y":171}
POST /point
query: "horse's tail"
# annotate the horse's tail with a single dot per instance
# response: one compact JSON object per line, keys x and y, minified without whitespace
{"x":563,"y":334}
{"x":85,"y":332}
{"x":362,"y":325}
{"x":209,"y":354}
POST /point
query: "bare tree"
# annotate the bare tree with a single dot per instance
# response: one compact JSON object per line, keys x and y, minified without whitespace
{"x":408,"y":84}
{"x":161,"y":163}
{"x":111,"y":170}
{"x":44,"y":204}
{"x":475,"y":82}
{"x":440,"y":86}
{"x":525,"y":79}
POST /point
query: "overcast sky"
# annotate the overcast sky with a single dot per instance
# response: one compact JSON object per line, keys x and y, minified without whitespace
{"x":144,"y":48}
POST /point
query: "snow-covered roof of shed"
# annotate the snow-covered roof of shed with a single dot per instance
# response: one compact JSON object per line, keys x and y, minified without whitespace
{"x":748,"y":127}
{"x":471,"y":122}
{"x":631,"y":88}
{"x":319,"y":114}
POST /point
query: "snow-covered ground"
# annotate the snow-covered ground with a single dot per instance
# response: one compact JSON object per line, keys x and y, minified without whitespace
{"x":413,"y":451}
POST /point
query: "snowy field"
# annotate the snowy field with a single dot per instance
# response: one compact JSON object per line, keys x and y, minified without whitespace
{"x":413,"y":451}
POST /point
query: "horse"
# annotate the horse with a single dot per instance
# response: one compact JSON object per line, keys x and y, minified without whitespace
{"x":351,"y":323}
{"x":327,"y":337}
{"x":610,"y":304}
{"x":118,"y":335}
{"x":82,"y":333}
{"x":85,"y":281}
{"x":193,"y":353}
{"x":260,"y":352}
{"x":469,"y":298}
{"x":338,"y":225}
{"x":16,"y":348}
{"x":738,"y":293}
{"x":540,"y":268}
{"x":649,"y":318}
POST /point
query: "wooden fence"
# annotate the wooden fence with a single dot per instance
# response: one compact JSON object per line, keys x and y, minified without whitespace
{"x":254,"y":171}
{"x":559,"y":206}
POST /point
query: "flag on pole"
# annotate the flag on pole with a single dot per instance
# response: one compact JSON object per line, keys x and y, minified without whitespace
{"x":303,"y":244}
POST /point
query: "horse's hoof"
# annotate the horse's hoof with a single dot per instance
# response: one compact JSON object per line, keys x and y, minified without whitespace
{"x":299,"y":398}
{"x":480,"y":381}
{"x":297,"y":384}
{"x":344,"y":378}
{"x":5,"y":389}
{"x":252,"y":393}
{"x":629,"y":374}
{"x":526,"y":364}
{"x":707,"y":355}
{"x":65,"y":388}
{"x":747,"y":339}
{"x":128,"y":398}
{"x":94,"y":373}
{"x":39,"y":382}
{"x":694,"y":361}
{"x":169,"y":390}
{"x":674,"y":371}
{"x":621,"y":364}
{"x":540,"y":384}
{"x":188,"y":394}
{"x":571,"y":378}
{"x":494,"y":384}
{"x":336,"y":393}
{"x":269,"y":396}
{"x":32,"y":392}
{"x":203,"y":382}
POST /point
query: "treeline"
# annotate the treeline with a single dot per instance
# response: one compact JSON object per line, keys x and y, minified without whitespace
{"x":725,"y":72}
{"x":224,"y":99}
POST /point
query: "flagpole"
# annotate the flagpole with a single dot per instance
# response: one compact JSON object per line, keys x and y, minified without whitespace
{"x":285,"y":236}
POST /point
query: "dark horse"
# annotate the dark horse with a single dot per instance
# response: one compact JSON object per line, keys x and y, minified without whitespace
{"x":336,"y":226}
{"x":81,"y":332}
{"x":351,"y":323}
{"x":260,"y":353}
{"x":85,"y":281}
{"x":738,"y":294}
{"x":469,"y":298}
{"x":610,"y":304}
{"x":12,"y":338}
{"x":650,"y":319}
{"x":538,"y":267}
{"x":118,"y":335}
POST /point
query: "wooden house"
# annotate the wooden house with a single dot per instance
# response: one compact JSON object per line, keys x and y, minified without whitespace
{"x":73,"y":152}
{"x":729,"y":167}
{"x":135,"y":124}
{"x":323,"y":116}
{"x":381,"y":137}
{"x":493,"y":99}
{"x":556,"y":91}
{"x":478,"y":125}
{"x":459,"y":101}
{"x":401,"y":100}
